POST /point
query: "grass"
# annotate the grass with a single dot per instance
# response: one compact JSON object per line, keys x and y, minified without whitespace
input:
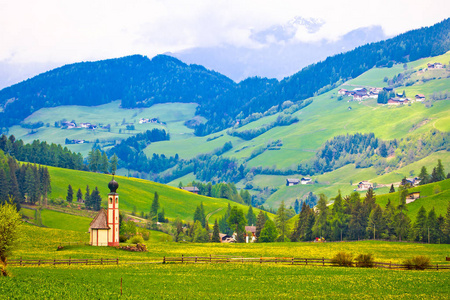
{"x":138,"y":194}
{"x":222,"y":281}
{"x":208,"y":281}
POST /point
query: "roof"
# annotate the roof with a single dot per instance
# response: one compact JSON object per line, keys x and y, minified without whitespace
{"x":420,"y":96}
{"x":306,"y":179}
{"x":100,"y":221}
{"x":293,"y":180}
{"x":251,"y":229}
{"x":190,"y":188}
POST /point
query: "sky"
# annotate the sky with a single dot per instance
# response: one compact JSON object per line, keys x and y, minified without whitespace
{"x":57,"y":32}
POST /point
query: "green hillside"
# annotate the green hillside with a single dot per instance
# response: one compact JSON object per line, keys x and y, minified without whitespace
{"x":138,"y":194}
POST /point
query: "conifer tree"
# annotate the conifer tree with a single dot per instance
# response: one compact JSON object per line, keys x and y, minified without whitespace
{"x":104,"y":163}
{"x":113,"y":163}
{"x":392,"y":189}
{"x":87,"y":198}
{"x":321,"y":226}
{"x":155,"y":206}
{"x":261,"y":220}
{"x":79,"y":195}
{"x":440,"y":174}
{"x":96,"y":199}
{"x":215,"y":236}
{"x":237,"y":222}
{"x":4,"y":187}
{"x":281,"y":221}
{"x":446,"y":226}
{"x":69,"y":197}
{"x":251,"y":218}
{"x":269,"y":232}
{"x":423,"y":176}
{"x":420,"y":226}
{"x":433,"y":226}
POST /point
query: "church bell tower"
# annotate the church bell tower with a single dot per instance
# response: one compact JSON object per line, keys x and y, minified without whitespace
{"x":113,"y":213}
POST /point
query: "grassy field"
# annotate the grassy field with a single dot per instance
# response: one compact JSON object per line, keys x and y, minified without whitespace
{"x":216,"y":281}
{"x":174,"y":114}
{"x":138,"y":194}
{"x":220,"y":281}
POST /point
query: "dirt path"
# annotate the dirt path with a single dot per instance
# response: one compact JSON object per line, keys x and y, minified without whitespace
{"x":212,"y":213}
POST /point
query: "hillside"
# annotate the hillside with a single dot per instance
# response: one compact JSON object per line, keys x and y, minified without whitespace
{"x":137,"y":194}
{"x":141,"y":82}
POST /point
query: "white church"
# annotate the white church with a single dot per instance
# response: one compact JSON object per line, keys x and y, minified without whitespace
{"x":104,"y":229}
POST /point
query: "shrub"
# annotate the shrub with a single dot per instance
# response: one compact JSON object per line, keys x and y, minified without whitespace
{"x":419,"y":262}
{"x":122,"y":238}
{"x":343,"y":259}
{"x":137,"y":239}
{"x":146,"y":235}
{"x":365,"y":260}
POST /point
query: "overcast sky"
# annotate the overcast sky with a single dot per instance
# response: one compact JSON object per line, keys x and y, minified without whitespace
{"x":60,"y":32}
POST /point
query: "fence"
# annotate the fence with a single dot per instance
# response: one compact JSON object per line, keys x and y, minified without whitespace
{"x":70,"y":261}
{"x":283,"y":260}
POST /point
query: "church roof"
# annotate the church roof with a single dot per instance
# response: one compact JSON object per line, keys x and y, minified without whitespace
{"x":100,"y":221}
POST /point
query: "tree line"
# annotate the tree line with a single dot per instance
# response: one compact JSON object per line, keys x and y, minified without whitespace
{"x":28,"y":183}
{"x":42,"y":153}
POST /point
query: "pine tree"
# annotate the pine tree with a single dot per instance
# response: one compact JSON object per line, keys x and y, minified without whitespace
{"x":440,"y":174}
{"x":376,"y":224}
{"x":446,"y":226}
{"x":113,"y":164}
{"x":296,"y":206}
{"x":215,"y":236}
{"x":433,"y":226}
{"x":420,"y":226}
{"x":104,"y":163}
{"x":251,"y":218}
{"x":4,"y":187}
{"x":87,"y":198}
{"x":79,"y":195}
{"x":155,"y":206}
{"x":161,"y":216}
{"x":260,"y":221}
{"x":96,"y":199}
{"x":69,"y":197}
{"x":321,"y":226}
{"x":281,"y":221}
{"x":392,"y":189}
{"x":423,"y":176}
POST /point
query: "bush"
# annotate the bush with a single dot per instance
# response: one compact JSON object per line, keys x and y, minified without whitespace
{"x":365,"y":260}
{"x":137,"y":239}
{"x":146,"y":235}
{"x":420,"y":262}
{"x":122,"y":238}
{"x":343,"y":259}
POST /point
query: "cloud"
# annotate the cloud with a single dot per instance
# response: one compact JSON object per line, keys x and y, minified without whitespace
{"x":70,"y":31}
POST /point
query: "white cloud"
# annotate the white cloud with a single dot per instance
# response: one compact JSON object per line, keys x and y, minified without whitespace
{"x":63,"y":31}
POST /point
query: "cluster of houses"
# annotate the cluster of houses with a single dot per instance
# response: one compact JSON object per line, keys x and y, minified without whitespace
{"x":72,"y":125}
{"x":399,"y":100}
{"x":144,"y":120}
{"x":366,"y":185}
{"x":359,"y":94}
{"x":295,"y":181}
{"x":75,"y":141}
{"x":435,"y":66}
{"x":250,"y":236}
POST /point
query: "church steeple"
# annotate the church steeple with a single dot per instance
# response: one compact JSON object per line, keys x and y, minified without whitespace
{"x":113,"y":213}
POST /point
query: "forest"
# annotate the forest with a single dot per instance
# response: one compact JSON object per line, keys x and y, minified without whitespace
{"x":141,"y":82}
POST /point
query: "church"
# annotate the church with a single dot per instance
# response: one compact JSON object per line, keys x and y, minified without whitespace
{"x":104,"y":229}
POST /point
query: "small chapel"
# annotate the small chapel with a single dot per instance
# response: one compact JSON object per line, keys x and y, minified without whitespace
{"x":104,"y":228}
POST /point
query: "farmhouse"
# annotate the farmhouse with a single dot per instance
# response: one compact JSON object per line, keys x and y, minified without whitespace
{"x":397,"y":101}
{"x":225,"y":238}
{"x":292,"y":181}
{"x":104,"y":229}
{"x":412,"y":197}
{"x":252,"y":230}
{"x":306,"y":180}
{"x":364,"y":185}
{"x":420,"y":97}
{"x":192,"y":189}
{"x":342,"y":92}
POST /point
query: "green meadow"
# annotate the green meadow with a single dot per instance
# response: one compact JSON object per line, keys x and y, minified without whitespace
{"x":137,"y":194}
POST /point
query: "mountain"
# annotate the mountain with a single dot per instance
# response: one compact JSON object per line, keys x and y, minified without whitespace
{"x":141,"y":82}
{"x":136,"y":80}
{"x":279,"y":59}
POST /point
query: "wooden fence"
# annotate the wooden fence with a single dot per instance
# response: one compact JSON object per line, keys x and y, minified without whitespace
{"x":70,"y":261}
{"x":283,"y":260}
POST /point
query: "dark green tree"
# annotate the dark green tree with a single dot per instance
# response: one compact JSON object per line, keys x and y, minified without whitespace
{"x":79,"y":195}
{"x":440,"y":173}
{"x":423,"y":176}
{"x":215,"y":236}
{"x":251,"y":218}
{"x":433,"y":226}
{"x":260,"y":221}
{"x":281,"y":222}
{"x":420,"y":230}
{"x":87,"y":198}
{"x":269,"y":232}
{"x":114,"y":161}
{"x":237,"y":221}
{"x":392,"y":189}
{"x":96,"y":199}
{"x":155,"y":206}
{"x":69,"y":197}
{"x":321,"y":226}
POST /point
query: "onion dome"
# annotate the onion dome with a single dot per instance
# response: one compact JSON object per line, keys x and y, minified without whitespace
{"x":113,"y":185}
